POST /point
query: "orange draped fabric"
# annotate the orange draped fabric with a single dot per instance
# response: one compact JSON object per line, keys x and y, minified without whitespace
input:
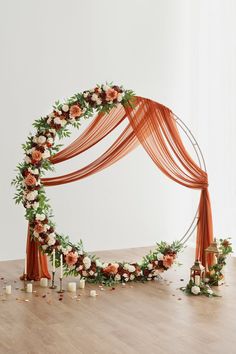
{"x":153,"y":126}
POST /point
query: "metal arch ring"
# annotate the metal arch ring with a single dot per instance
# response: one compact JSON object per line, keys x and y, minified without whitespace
{"x":202,"y":164}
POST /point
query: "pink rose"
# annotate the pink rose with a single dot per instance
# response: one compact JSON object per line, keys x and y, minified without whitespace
{"x":168,"y":261}
{"x":30,"y":180}
{"x":71,"y":258}
{"x":36,"y":155}
{"x":111,"y":94}
{"x":75,"y":111}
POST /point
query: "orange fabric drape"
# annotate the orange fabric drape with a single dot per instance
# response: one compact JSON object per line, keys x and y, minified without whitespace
{"x":153,"y":126}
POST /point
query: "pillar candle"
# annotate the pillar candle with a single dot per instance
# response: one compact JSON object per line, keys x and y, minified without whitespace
{"x":43,"y":282}
{"x":71,"y":287}
{"x":93,"y":293}
{"x":61,"y":267}
{"x":82,"y":284}
{"x":25,"y":270}
{"x":53,"y":260}
{"x":197,"y":280}
{"x":8,"y":289}
{"x":29,"y":288}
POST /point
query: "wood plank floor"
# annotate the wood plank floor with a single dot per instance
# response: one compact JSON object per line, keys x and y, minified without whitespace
{"x":154,"y":317}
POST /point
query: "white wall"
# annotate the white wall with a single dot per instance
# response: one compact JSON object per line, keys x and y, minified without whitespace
{"x":180,"y":53}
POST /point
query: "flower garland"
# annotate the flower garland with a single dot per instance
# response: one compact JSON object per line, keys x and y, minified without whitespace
{"x":31,"y":193}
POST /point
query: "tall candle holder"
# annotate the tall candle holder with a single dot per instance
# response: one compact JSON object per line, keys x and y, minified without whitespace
{"x":61,"y":290}
{"x":53,"y":286}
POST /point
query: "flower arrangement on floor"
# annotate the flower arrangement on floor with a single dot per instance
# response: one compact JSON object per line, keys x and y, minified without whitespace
{"x":216,"y":275}
{"x":31,"y":193}
{"x":201,"y":289}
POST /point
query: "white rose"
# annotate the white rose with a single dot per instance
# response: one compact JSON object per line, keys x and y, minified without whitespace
{"x":41,"y":139}
{"x":104,"y":265}
{"x":51,"y":115}
{"x":57,"y":120}
{"x":34,"y":171}
{"x":210,"y":292}
{"x":27,"y":159}
{"x":99,"y":101}
{"x":150,"y":266}
{"x":32,"y":195}
{"x":35,"y":205}
{"x":91,"y":272}
{"x":131,"y":268}
{"x":195,"y":290}
{"x":65,"y":108}
{"x":117,"y":277}
{"x":44,"y":247}
{"x":86,"y":94}
{"x":53,"y":131}
{"x":40,"y":217}
{"x":120,"y":97}
{"x":51,"y":241}
{"x":126,"y":266}
{"x":132,"y":276}
{"x":46,"y":154}
{"x":94,"y":97}
{"x":35,"y":139}
{"x":160,"y":256}
{"x":49,"y":120}
{"x":87,"y":262}
{"x":36,"y":234}
{"x":28,"y":205}
{"x":63,"y":122}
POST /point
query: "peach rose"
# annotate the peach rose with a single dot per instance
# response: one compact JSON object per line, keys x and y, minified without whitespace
{"x":36,"y":155}
{"x":168,"y":261}
{"x":39,"y":228}
{"x":75,"y":111}
{"x":111,"y":94}
{"x":111,"y":269}
{"x":71,"y":258}
{"x":30,"y":180}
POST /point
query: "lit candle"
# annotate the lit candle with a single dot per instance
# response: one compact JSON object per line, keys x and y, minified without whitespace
{"x":29,"y":288}
{"x":197,"y":280}
{"x":8,"y":289}
{"x":93,"y":293}
{"x":61,"y":266}
{"x":82,"y":284}
{"x":43,"y":282}
{"x":53,"y":261}
{"x":71,"y":287}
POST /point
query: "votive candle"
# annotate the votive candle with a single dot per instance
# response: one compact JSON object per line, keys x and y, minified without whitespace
{"x":197,"y":280}
{"x":82,"y":283}
{"x":53,"y":261}
{"x":43,"y":282}
{"x":61,"y":266}
{"x":8,"y":289}
{"x":29,"y":288}
{"x":71,"y":287}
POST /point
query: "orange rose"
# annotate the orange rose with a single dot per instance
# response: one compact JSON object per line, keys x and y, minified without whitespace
{"x":39,"y":228}
{"x":71,"y":258}
{"x":111,"y":94}
{"x":36,"y":155}
{"x":30,"y":180}
{"x":111,"y":269}
{"x":75,"y":111}
{"x":168,"y":261}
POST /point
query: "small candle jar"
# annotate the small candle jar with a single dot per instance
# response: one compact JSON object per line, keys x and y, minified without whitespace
{"x":71,"y":287}
{"x":93,"y":293}
{"x":82,"y":284}
{"x":8,"y":289}
{"x":29,"y":288}
{"x":44,"y":282}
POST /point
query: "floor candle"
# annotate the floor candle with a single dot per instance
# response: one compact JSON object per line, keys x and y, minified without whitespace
{"x":82,"y":284}
{"x":43,"y":282}
{"x":29,"y":288}
{"x":71,"y":287}
{"x":8,"y":289}
{"x":53,"y":261}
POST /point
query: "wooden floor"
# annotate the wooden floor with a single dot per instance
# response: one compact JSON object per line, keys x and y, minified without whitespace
{"x":149,"y":318}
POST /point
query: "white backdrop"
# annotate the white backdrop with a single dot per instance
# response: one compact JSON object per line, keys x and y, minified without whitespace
{"x":180,"y":53}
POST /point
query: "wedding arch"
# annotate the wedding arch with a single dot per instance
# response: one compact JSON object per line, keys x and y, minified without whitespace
{"x":150,"y":124}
